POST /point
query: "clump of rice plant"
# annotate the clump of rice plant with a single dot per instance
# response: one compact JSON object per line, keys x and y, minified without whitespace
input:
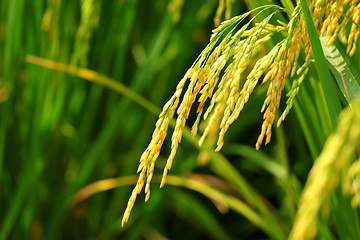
{"x":217,"y":80}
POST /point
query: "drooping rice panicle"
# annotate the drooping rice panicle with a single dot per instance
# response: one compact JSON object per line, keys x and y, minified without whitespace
{"x":354,"y":33}
{"x":150,"y":155}
{"x":218,"y":84}
{"x":280,"y":69}
{"x":293,"y":91}
{"x":351,"y":183}
{"x":328,"y":172}
{"x":223,"y":5}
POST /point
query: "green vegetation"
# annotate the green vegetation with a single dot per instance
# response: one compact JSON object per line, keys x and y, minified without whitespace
{"x":82,"y":84}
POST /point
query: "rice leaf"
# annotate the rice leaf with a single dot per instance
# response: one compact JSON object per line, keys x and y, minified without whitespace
{"x":341,"y":71}
{"x":332,"y":101}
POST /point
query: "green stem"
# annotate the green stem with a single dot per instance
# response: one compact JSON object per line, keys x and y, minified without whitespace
{"x":332,"y":101}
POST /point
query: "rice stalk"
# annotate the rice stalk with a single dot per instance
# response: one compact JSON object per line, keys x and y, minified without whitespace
{"x":90,"y":10}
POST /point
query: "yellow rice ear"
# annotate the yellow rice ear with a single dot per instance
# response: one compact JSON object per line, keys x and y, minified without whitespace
{"x":222,"y":80}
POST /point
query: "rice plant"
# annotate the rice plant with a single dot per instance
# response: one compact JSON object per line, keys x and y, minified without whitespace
{"x":263,"y":117}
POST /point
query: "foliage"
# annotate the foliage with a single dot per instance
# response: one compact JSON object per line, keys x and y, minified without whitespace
{"x":82,"y":81}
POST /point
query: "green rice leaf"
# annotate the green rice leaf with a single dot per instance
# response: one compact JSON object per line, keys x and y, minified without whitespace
{"x":331,"y":98}
{"x":341,"y":71}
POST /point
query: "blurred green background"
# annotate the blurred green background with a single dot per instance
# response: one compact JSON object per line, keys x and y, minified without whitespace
{"x":59,"y":132}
